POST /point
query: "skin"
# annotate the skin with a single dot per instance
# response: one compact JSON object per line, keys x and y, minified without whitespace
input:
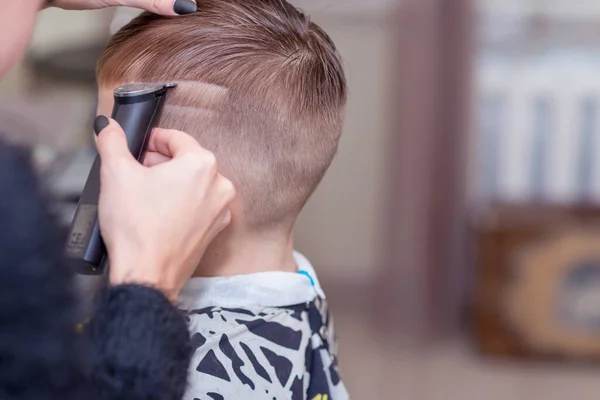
{"x":146,"y":242}
{"x":18,"y":18}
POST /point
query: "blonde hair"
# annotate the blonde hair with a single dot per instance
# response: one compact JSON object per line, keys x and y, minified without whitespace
{"x":276,"y":123}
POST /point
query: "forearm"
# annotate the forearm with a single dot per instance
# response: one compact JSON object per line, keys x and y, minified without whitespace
{"x":140,"y":346}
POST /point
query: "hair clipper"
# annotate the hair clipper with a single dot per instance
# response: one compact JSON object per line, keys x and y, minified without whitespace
{"x":137,"y":108}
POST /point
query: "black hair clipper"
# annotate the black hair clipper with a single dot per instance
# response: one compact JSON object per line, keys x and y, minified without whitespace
{"x":137,"y":108}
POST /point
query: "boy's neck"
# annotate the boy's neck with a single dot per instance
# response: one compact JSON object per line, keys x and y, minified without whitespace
{"x":237,"y":252}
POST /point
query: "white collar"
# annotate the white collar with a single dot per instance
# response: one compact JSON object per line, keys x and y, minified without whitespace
{"x":263,"y":289}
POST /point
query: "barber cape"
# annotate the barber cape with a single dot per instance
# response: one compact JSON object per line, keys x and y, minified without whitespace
{"x":261,"y":336}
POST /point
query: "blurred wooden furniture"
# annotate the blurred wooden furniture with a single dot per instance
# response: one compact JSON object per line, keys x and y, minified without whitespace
{"x":536,"y":292}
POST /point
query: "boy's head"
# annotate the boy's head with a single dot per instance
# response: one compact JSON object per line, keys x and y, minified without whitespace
{"x":259,"y":85}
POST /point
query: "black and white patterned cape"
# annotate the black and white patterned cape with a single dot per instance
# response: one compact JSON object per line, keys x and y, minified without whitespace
{"x":262,"y":336}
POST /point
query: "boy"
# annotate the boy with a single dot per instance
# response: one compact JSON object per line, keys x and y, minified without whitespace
{"x":264,"y":89}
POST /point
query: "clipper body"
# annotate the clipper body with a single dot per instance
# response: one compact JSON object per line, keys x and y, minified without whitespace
{"x":137,"y":109}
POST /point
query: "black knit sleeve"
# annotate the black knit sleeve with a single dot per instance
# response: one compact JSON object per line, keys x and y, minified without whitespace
{"x":140,"y":346}
{"x":38,"y":342}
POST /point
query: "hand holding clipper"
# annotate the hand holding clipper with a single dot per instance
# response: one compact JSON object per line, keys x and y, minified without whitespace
{"x":136,"y":108}
{"x":157,"y":221}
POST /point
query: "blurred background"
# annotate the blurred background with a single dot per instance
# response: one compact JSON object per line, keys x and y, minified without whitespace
{"x":458,"y":232}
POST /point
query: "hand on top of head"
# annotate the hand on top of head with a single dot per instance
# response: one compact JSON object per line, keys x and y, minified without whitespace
{"x":158,"y":220}
{"x":162,"y":7}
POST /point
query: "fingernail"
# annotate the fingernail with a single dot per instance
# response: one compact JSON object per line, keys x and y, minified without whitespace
{"x":100,"y":123}
{"x":183,"y":7}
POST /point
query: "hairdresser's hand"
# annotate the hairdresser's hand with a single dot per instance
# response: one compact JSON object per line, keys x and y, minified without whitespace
{"x":157,"y":221}
{"x":163,"y":7}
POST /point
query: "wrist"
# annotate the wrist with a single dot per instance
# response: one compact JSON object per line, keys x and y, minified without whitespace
{"x":143,"y":273}
{"x":170,"y":293}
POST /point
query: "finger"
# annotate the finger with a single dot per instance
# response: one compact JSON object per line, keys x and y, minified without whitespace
{"x":153,"y":158}
{"x":172,"y":143}
{"x":162,"y":7}
{"x":81,"y":4}
{"x":112,"y":144}
{"x":100,"y":122}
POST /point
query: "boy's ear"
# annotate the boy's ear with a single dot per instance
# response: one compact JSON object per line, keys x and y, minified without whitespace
{"x":106,"y":100}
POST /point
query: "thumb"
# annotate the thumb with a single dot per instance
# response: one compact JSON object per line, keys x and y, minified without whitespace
{"x":112,"y":144}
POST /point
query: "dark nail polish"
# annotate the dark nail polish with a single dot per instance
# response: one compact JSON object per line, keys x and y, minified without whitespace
{"x":100,"y":123}
{"x":183,"y":7}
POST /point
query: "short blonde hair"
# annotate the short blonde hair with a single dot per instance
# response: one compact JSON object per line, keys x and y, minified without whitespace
{"x":276,"y":127}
